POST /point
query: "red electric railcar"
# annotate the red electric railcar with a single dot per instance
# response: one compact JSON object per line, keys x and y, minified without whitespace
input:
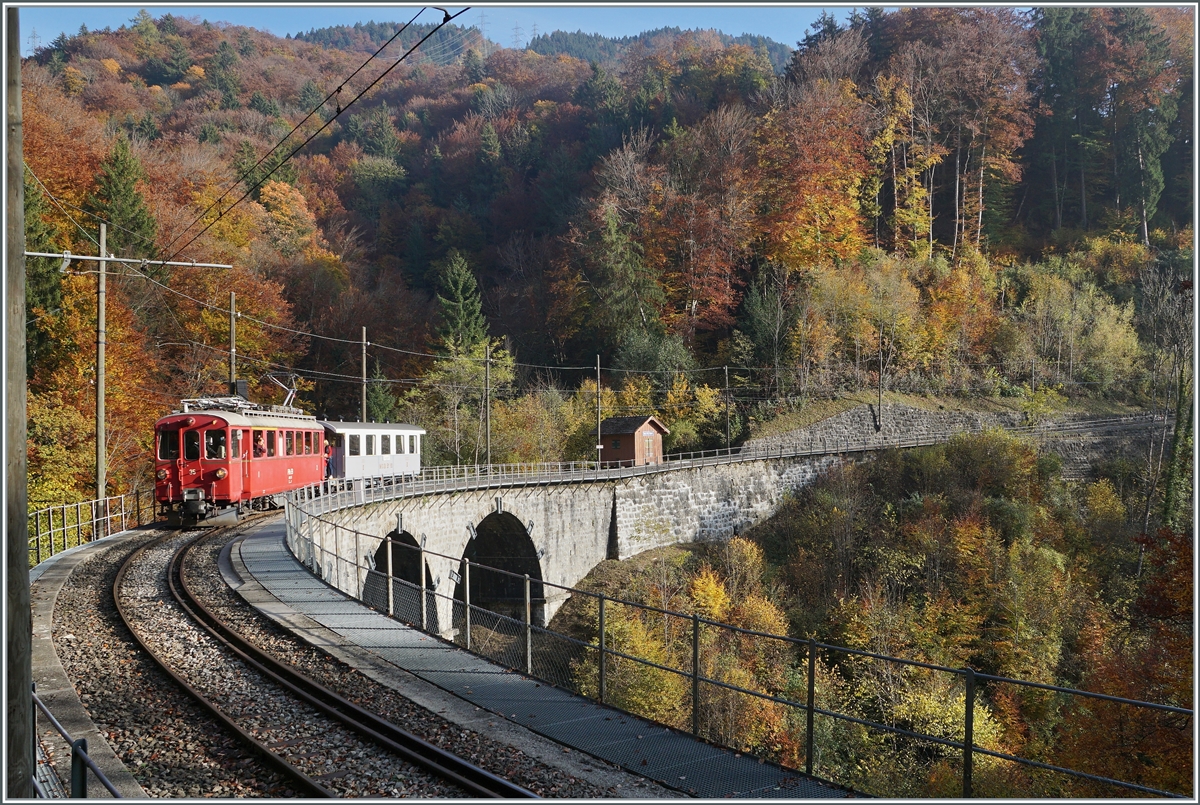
{"x":219,"y":456}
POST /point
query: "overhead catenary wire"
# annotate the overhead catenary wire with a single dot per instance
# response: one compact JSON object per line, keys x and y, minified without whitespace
{"x":446,"y":50}
{"x":311,"y":137}
{"x":250,"y":171}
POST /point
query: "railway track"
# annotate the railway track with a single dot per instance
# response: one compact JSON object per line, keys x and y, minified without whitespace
{"x":325,"y":744}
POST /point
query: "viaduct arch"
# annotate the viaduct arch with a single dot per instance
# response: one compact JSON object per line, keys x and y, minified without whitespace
{"x":557,"y":531}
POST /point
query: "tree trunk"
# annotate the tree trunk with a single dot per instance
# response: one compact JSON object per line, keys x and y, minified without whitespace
{"x":932,"y":170}
{"x":1057,"y":198}
{"x":1142,"y":178}
{"x":979,"y":217}
{"x":895,"y":205}
{"x":1083,"y":221}
{"x":957,"y":201}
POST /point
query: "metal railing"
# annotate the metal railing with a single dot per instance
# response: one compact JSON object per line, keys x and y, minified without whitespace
{"x":339,"y":493}
{"x":81,"y":762}
{"x":54,"y":529}
{"x":517,"y":639}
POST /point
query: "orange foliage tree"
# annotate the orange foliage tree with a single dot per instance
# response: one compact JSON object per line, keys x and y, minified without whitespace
{"x":810,"y":165}
{"x":1152,"y":663}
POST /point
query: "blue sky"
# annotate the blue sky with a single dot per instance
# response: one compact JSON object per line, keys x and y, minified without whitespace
{"x":786,"y":24}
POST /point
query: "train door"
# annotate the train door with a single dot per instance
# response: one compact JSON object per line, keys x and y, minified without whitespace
{"x":242,"y":452}
{"x":189,"y":462}
{"x":231,"y":464}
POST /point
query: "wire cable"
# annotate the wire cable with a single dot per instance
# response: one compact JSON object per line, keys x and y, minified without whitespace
{"x":294,"y":151}
{"x":250,"y":171}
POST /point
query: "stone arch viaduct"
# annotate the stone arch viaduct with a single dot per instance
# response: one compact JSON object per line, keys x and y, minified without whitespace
{"x":557,"y":522}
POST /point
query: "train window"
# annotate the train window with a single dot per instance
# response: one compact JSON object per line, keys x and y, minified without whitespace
{"x":371,"y":445}
{"x":168,"y":445}
{"x":235,"y":444}
{"x":289,"y":441}
{"x":412,"y":443}
{"x":353,"y":444}
{"x":270,"y":443}
{"x":191,"y":445}
{"x":385,"y":445}
{"x":214,"y":444}
{"x":399,"y":443}
{"x":260,"y":444}
{"x":308,"y":443}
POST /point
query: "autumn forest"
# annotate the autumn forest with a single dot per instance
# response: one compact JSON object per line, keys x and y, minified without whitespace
{"x":944,"y":203}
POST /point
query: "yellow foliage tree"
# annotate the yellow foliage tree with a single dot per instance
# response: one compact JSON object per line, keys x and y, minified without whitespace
{"x":291,"y":228}
{"x":708,"y":594}
{"x":635,"y":397}
{"x":635,"y":686}
{"x":528,"y":428}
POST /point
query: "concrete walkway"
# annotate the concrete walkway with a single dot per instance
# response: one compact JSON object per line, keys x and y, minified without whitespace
{"x":288,"y":592}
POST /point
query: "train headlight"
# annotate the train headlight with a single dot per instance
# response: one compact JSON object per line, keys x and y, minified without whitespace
{"x":161,"y":475}
{"x":221,"y":474}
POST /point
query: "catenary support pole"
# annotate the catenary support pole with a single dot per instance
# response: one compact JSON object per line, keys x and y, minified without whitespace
{"x":364,"y":375}
{"x":599,"y":441}
{"x":101,"y":343}
{"x":232,"y":342}
{"x":18,"y":628}
{"x":728,"y":440}
{"x":879,"y":411}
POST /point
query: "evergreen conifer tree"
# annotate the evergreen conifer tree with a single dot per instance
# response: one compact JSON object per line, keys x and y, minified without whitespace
{"x":473,"y":66}
{"x":1149,"y":110}
{"x":463,"y":326}
{"x":310,"y":96}
{"x":381,"y":402}
{"x":117,"y":200}
{"x":43,"y":289}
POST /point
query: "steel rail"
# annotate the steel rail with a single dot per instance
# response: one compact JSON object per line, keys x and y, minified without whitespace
{"x":306,"y":785}
{"x":477,"y":781}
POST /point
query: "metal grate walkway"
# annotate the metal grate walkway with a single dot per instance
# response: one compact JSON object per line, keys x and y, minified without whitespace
{"x":658,"y":753}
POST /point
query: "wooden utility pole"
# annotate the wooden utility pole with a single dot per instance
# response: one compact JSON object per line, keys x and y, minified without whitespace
{"x":364,"y":375}
{"x":17,"y":618}
{"x":101,"y":342}
{"x":232,"y":342}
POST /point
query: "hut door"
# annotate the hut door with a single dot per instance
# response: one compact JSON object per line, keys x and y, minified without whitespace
{"x":649,"y":440}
